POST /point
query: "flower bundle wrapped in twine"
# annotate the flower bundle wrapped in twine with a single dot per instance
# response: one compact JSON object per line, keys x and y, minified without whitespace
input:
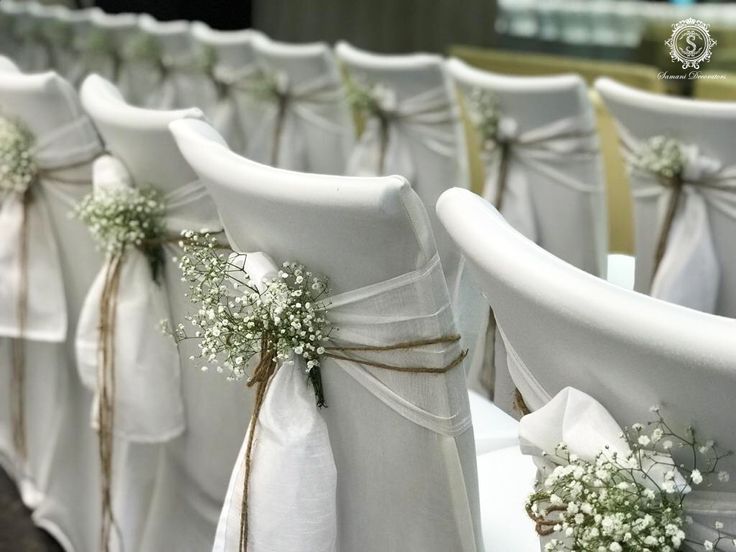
{"x":239,"y":319}
{"x":663,"y":157}
{"x":118,"y":219}
{"x":630,"y":499}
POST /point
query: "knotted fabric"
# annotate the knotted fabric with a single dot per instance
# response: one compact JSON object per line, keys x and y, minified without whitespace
{"x":396,"y":341}
{"x":32,"y":297}
{"x":122,"y":354}
{"x":686,"y":269}
{"x":586,"y":427}
{"x":278,"y":140}
{"x":393,"y":125}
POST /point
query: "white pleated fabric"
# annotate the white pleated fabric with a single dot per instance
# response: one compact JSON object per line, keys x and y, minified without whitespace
{"x":421,"y":118}
{"x":307,"y":103}
{"x":373,"y":496}
{"x":546,"y":150}
{"x":46,"y":312}
{"x":689,"y":273}
{"x":586,"y":427}
{"x":148,"y":399}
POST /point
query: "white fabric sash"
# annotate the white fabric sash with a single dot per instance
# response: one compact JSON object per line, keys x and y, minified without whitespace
{"x":148,"y":403}
{"x":547,"y":150}
{"x":689,"y":272}
{"x":292,"y":502}
{"x":69,"y":147}
{"x":421,"y":118}
{"x":586,"y":427}
{"x":278,"y":139}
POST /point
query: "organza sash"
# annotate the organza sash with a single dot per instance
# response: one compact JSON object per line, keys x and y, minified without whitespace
{"x":279,"y":138}
{"x":384,"y":147}
{"x":63,"y":156}
{"x":293,"y":502}
{"x":546,"y":150}
{"x":147,"y":402}
{"x":586,"y":427}
{"x":688,"y":271}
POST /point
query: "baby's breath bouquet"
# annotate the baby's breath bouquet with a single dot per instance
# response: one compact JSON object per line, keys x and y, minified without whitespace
{"x":484,"y":113}
{"x":370,"y":100}
{"x":632,"y":502}
{"x":236,"y":320}
{"x":18,"y":169}
{"x":661,"y":156}
{"x":121,"y":217}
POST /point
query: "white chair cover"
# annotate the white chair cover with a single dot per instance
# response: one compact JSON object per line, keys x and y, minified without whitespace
{"x":186,"y":478}
{"x":148,"y":403}
{"x":315,"y":132}
{"x":698,"y":267}
{"x":570,"y":329}
{"x":232,"y":111}
{"x":373,"y":414}
{"x":175,"y":80}
{"x":58,"y":480}
{"x":555,"y":193}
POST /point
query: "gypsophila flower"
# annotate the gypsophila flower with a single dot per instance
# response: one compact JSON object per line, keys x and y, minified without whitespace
{"x":370,"y":100}
{"x":124,"y":217}
{"x":614,"y":503}
{"x":662,"y":156}
{"x":484,"y":112}
{"x":18,"y":169}
{"x":234,"y":317}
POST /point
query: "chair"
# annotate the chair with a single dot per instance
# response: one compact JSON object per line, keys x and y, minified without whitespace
{"x":58,"y":481}
{"x":188,"y":475}
{"x":559,"y":199}
{"x":626,"y":349}
{"x":232,"y":111}
{"x":709,"y":127}
{"x":104,"y":47}
{"x":318,"y":132}
{"x":174,"y":78}
{"x":364,"y":234}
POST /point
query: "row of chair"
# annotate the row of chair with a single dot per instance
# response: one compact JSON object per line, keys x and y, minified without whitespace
{"x":560,"y":327}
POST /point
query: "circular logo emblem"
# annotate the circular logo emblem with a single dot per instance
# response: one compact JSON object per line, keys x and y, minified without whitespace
{"x":690,"y":43}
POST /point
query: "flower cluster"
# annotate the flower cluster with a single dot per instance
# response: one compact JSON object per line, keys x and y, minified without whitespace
{"x":235,"y":318}
{"x":123,"y":216}
{"x":625,"y":502}
{"x":17,"y":166}
{"x":661,"y":156}
{"x":369,"y":100}
{"x":268,"y":86}
{"x":484,"y":113}
{"x":143,"y":47}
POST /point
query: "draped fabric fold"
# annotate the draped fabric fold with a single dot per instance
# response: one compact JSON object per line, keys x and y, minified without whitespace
{"x":148,"y":404}
{"x":686,"y":269}
{"x":228,"y":84}
{"x":587,"y":428}
{"x":384,"y":147}
{"x":400,"y":322}
{"x":278,"y":139}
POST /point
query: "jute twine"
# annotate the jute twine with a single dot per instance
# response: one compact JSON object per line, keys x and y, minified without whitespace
{"x":267,"y":367}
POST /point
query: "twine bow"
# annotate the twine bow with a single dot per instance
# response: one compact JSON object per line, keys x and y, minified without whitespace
{"x":268,"y":366}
